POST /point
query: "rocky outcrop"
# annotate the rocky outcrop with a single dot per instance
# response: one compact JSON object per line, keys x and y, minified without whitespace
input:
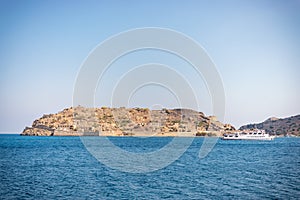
{"x":277,"y":126}
{"x":105,"y":121}
{"x":38,"y":131}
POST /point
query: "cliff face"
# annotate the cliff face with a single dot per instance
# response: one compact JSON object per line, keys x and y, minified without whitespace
{"x":124,"y":121}
{"x":276,"y":126}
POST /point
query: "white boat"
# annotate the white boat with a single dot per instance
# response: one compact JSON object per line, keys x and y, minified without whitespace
{"x":256,"y":134}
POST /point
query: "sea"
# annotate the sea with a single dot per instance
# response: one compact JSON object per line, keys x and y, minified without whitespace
{"x":62,"y":168}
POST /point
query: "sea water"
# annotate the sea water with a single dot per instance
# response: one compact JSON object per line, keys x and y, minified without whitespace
{"x":62,"y":168}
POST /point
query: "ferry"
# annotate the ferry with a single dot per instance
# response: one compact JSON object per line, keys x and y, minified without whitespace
{"x":256,"y":134}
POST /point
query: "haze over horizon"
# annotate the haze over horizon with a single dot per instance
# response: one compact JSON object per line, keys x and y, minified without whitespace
{"x":255,"y":46}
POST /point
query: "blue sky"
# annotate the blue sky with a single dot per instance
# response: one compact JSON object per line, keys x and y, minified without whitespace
{"x":254,"y":44}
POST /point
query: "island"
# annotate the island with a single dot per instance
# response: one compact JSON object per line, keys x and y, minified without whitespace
{"x":104,"y":121}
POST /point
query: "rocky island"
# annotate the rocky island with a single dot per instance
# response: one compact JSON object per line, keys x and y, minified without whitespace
{"x":104,"y":121}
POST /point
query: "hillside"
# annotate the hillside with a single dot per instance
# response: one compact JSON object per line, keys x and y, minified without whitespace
{"x":126,"y":122}
{"x":276,"y":126}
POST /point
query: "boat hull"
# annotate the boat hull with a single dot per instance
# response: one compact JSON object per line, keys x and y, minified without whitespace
{"x":248,"y":138}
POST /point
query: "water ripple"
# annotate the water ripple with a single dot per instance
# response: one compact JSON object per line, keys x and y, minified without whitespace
{"x":60,"y":167}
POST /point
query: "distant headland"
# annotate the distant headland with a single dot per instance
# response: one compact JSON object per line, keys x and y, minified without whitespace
{"x":104,"y":121}
{"x":289,"y":126}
